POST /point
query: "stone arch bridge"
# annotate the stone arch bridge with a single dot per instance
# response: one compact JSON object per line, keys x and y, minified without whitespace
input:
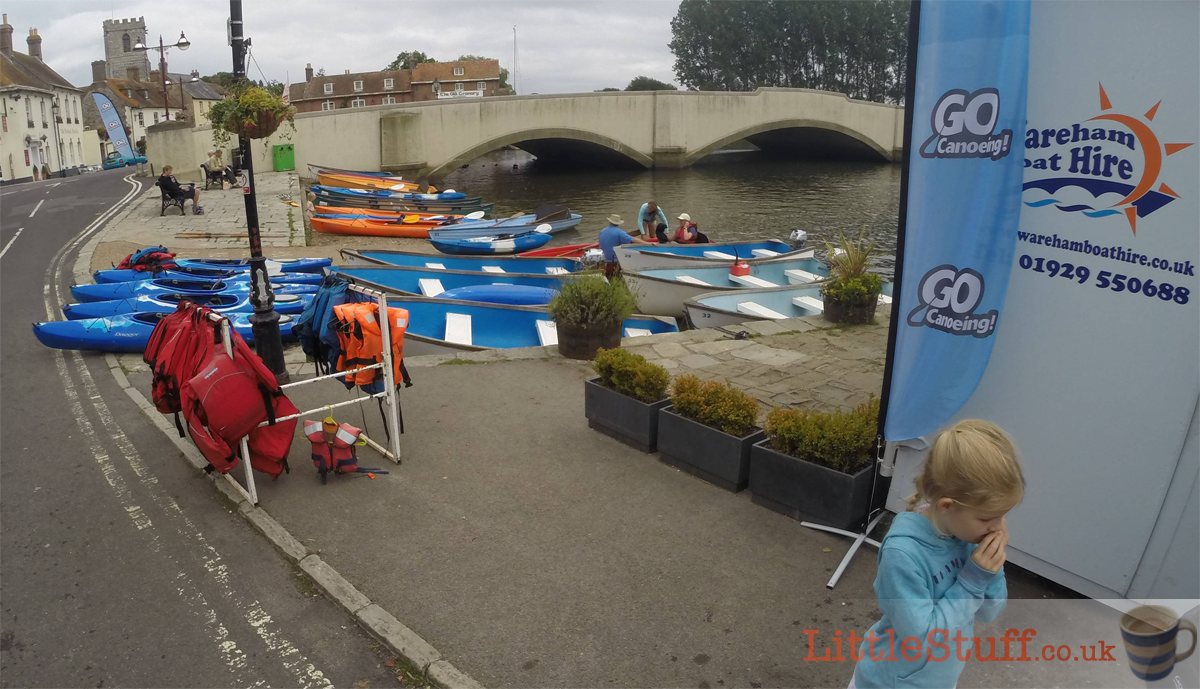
{"x":651,"y":129}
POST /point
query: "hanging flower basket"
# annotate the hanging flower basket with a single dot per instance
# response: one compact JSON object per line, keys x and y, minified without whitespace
{"x":250,"y":112}
{"x":260,"y":128}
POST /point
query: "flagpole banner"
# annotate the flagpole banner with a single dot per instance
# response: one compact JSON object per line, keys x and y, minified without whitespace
{"x":963,"y":205}
{"x":113,"y":125}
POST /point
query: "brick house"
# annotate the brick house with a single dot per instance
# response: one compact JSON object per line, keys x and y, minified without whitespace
{"x":359,"y":90}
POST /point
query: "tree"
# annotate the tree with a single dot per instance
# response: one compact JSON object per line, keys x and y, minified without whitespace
{"x":648,"y":84}
{"x":503,"y":72}
{"x":606,"y":89}
{"x":409,"y":59}
{"x":222,"y":79}
{"x":858,"y":48}
{"x":320,"y":72}
{"x":273,"y":87}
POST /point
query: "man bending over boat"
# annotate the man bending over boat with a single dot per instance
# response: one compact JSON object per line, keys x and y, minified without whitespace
{"x":652,"y":221}
{"x":610,"y":238}
{"x":175,"y":190}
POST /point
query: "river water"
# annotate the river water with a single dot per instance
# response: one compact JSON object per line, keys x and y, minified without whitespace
{"x":732,"y":196}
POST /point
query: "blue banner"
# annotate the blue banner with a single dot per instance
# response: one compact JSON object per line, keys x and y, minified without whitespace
{"x":113,"y":125}
{"x":963,"y":206}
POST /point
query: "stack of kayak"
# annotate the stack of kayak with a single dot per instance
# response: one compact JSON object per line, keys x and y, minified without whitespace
{"x":335,"y":220}
{"x":119,"y":311}
{"x":448,"y":201}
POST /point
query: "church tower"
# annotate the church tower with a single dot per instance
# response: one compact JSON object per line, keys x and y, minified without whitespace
{"x":121,"y":60}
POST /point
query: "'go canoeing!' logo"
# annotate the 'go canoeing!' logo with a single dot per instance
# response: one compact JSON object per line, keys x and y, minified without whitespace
{"x":1105,"y":166}
{"x":949,"y":296}
{"x":964,"y":126}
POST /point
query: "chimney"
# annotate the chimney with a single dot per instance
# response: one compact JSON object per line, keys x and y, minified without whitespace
{"x":6,"y":32}
{"x":133,"y":73}
{"x":35,"y":44}
{"x":308,"y":72}
{"x":347,"y":71}
{"x":195,"y":74}
{"x":98,"y":73}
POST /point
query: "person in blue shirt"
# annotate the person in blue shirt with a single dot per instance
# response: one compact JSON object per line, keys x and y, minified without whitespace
{"x":652,"y":221}
{"x":610,"y":238}
{"x":941,"y":565}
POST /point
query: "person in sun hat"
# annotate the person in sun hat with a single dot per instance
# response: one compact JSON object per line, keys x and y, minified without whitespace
{"x":686,"y":232}
{"x":611,"y":237}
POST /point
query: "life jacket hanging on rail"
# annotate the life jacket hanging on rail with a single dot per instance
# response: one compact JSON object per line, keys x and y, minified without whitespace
{"x":333,"y":448}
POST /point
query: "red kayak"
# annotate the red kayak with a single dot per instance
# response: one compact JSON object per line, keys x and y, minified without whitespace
{"x":566,"y":250}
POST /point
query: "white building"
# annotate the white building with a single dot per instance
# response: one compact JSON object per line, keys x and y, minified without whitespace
{"x":42,"y":124}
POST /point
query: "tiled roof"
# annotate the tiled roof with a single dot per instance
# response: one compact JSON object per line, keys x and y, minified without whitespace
{"x":140,"y":94}
{"x":475,"y":70}
{"x":19,"y":69}
{"x":343,"y":85}
{"x":200,"y":90}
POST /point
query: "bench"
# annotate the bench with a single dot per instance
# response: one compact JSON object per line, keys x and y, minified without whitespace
{"x":692,"y":281}
{"x":212,"y":177}
{"x":764,"y":253}
{"x":751,"y":281}
{"x":799,"y":277}
{"x":430,"y":287}
{"x":637,"y":332}
{"x":547,"y":333}
{"x":719,"y":255}
{"x":755,"y":309}
{"x":168,"y":201}
{"x":458,"y":328}
{"x":809,"y":303}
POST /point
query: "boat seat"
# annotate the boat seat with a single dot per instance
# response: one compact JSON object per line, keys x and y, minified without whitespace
{"x":797,"y":276}
{"x":720,"y":255}
{"x":637,"y":332}
{"x":436,"y":266}
{"x":751,"y":281}
{"x":756,"y":309}
{"x":691,"y":280}
{"x":547,"y":333}
{"x":430,"y":287}
{"x":809,"y":303}
{"x":884,"y":299}
{"x":458,"y":328}
{"x":556,"y":270}
{"x":764,"y":253}
{"x":492,"y":269}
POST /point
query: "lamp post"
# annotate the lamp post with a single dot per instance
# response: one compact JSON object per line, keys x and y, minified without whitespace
{"x":186,"y":80}
{"x":264,"y":321}
{"x":54,"y":110}
{"x":182,"y":44}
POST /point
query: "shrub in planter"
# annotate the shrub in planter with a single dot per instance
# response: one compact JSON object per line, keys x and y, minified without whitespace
{"x":588,"y":313}
{"x":852,"y":292}
{"x":624,"y":401}
{"x":250,"y":112}
{"x":709,"y":431}
{"x":816,"y":464}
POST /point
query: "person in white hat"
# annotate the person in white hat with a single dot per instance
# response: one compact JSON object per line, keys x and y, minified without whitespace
{"x":686,"y":232}
{"x":610,"y":238}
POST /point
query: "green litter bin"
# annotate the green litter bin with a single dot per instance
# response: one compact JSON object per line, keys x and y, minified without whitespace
{"x":284,"y":156}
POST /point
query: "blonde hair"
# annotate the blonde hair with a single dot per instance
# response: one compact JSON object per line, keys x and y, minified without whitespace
{"x":973,"y":463}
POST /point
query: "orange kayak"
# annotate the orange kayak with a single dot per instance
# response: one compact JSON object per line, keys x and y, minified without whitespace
{"x":381,"y":213}
{"x":374,"y":228}
{"x":364,"y":182}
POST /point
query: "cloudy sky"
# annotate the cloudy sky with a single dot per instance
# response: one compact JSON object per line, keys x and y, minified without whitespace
{"x":563,"y":46}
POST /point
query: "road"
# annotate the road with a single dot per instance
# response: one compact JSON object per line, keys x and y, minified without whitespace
{"x":120,"y":564}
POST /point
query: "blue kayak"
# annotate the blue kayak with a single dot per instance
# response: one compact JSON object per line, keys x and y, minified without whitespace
{"x":433,"y":283}
{"x":518,"y":225}
{"x":107,"y":291}
{"x":496,"y":244}
{"x":518,"y":295}
{"x":127,"y":333}
{"x":385,"y":194}
{"x":125,"y":275}
{"x":498,"y":264}
{"x":166,"y":303}
{"x":286,"y":265}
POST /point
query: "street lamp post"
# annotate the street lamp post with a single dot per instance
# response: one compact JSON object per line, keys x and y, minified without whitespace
{"x":264,"y":322}
{"x":54,"y":110}
{"x":182,"y":104}
{"x":182,"y":44}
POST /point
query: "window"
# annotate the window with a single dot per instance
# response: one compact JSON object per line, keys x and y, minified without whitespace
{"x":458,"y":86}
{"x":437,"y":87}
{"x":358,"y":103}
{"x":329,"y":87}
{"x":44,"y":111}
{"x":482,"y":86}
{"x":155,"y":116}
{"x":328,"y":105}
{"x":458,"y":71}
{"x":358,"y":85}
{"x":141,"y":119}
{"x":389,"y":84}
{"x":71,"y":147}
{"x":29,"y":111}
{"x":388,"y":100}
{"x":125,"y":42}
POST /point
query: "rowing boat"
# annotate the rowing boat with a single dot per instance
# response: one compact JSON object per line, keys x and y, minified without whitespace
{"x":664,"y":290}
{"x":717,"y":309}
{"x":671,"y":255}
{"x":491,"y":264}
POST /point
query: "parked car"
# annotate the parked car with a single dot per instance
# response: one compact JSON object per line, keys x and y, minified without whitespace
{"x":115,"y":159}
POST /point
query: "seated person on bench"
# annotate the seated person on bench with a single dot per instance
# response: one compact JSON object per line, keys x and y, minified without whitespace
{"x":171,"y":187}
{"x":216,"y":164}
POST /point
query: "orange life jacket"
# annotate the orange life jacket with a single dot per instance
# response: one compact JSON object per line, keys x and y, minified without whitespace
{"x":362,"y":341}
{"x":680,"y":234}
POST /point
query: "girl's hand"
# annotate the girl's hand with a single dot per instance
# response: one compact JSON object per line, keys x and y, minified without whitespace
{"x":989,"y":555}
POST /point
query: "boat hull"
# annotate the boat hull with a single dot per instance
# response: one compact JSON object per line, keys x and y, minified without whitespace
{"x":477,"y":247}
{"x":660,"y":291}
{"x":484,"y":228}
{"x":719,"y":309}
{"x":366,"y":227}
{"x":407,"y":280}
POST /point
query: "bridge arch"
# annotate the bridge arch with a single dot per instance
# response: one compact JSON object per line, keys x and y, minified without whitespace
{"x":779,"y":125}
{"x":542,"y":133}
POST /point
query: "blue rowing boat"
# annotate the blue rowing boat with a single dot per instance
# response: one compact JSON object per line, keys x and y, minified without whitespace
{"x":497,"y":264}
{"x":127,"y":333}
{"x":518,"y":225}
{"x":108,"y":291}
{"x":126,"y":275}
{"x":509,"y":288}
{"x":166,"y":303}
{"x":670,"y":255}
{"x":494,"y":244}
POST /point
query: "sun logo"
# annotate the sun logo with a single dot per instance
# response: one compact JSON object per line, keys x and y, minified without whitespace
{"x":1101,"y":161}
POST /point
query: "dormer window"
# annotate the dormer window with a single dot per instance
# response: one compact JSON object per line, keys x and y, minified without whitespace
{"x":458,"y":71}
{"x":358,"y":85}
{"x":328,"y":88}
{"x":389,"y":84}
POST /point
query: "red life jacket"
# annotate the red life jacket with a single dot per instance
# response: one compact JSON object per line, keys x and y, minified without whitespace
{"x":177,"y":346}
{"x":338,"y":456}
{"x":680,"y":234}
{"x":153,"y":261}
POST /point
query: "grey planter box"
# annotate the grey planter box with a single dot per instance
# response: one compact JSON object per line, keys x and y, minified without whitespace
{"x":808,"y":491}
{"x":704,"y":451}
{"x":621,"y":417}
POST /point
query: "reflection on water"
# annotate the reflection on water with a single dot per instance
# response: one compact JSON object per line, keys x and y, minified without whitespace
{"x":731,"y":196}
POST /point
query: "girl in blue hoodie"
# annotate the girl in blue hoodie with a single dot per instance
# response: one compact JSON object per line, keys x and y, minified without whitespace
{"x":941,"y":563}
